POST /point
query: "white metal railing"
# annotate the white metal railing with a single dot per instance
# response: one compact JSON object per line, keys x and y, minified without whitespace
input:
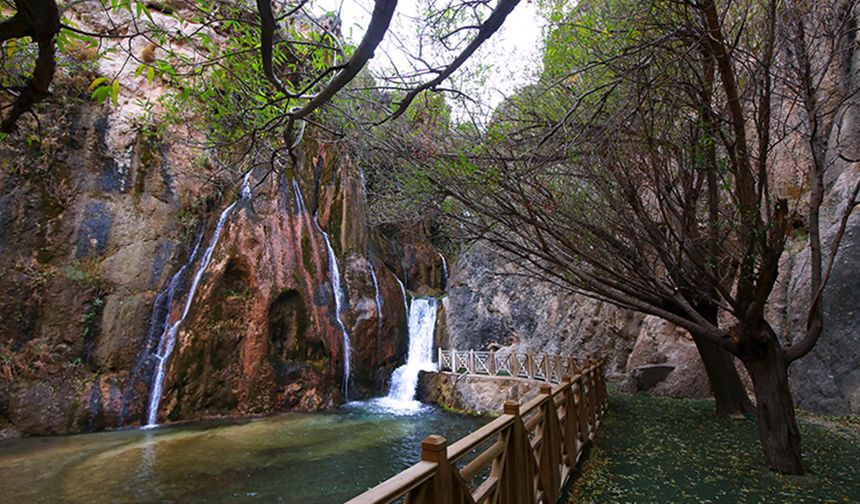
{"x":532,"y":366}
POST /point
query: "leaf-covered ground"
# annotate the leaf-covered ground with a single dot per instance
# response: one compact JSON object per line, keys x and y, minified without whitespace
{"x":654,"y":449}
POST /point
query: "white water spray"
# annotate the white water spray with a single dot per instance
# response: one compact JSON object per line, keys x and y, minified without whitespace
{"x":422,"y":326}
{"x":168,"y":338}
{"x":337,"y":289}
{"x":245,"y":192}
{"x":403,"y":290}
{"x":444,"y":271}
{"x":378,"y":299}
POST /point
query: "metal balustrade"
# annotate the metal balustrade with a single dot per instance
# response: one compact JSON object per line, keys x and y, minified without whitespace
{"x":533,"y":366}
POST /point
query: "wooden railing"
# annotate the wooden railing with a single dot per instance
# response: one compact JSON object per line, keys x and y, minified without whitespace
{"x":544,"y":367}
{"x":524,"y":456}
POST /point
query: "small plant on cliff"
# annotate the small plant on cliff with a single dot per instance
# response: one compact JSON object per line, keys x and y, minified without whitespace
{"x":242,"y":292}
{"x":86,"y":271}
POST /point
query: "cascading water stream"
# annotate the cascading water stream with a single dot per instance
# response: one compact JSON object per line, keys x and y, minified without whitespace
{"x":444,"y":272}
{"x":168,"y":337}
{"x":245,"y":191}
{"x":403,"y":290}
{"x":378,"y":299}
{"x":422,"y":327}
{"x":337,"y":289}
{"x":339,"y":301}
{"x":300,"y":201}
{"x":159,"y":323}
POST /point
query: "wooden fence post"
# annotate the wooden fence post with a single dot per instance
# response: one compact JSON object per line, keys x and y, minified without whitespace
{"x":516,"y":484}
{"x":571,"y":425}
{"x":550,"y":448}
{"x":589,"y":403}
{"x":435,"y":449}
{"x":530,"y":365}
{"x":492,"y":366}
{"x":581,"y":412}
{"x":603,"y":392}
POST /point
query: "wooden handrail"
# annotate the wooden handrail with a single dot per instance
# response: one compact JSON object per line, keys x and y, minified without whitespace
{"x":530,"y":450}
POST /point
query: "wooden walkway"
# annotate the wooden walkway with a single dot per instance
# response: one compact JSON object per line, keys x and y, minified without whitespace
{"x":524,"y":456}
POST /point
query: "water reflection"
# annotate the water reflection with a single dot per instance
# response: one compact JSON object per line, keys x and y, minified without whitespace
{"x":307,"y":458}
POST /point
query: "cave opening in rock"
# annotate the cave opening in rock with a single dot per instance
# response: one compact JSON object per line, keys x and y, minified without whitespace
{"x":237,"y":279}
{"x":290,"y":345}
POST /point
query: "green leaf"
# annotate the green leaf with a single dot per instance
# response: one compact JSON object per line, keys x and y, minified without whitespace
{"x":142,"y":8}
{"x":150,"y":74}
{"x":100,"y":94}
{"x":96,"y":83}
{"x":114,"y":93}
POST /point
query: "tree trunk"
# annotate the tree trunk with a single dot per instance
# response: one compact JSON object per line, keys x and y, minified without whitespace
{"x":777,"y":425}
{"x":730,"y":395}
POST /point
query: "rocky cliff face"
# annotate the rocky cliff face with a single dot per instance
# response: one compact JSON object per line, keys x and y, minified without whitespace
{"x":491,"y":303}
{"x":103,"y":231}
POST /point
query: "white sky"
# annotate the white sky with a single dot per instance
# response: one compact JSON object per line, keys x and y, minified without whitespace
{"x":511,"y":56}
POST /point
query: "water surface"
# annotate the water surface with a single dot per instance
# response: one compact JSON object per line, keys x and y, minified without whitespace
{"x":292,"y":458}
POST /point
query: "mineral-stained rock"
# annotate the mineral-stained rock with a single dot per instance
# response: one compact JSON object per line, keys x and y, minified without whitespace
{"x":473,"y":393}
{"x":40,"y":407}
{"x":261,"y":334}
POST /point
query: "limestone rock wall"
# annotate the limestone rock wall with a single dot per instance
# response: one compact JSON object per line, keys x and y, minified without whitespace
{"x":89,"y":246}
{"x":98,"y":218}
{"x":473,"y":393}
{"x":490,"y":303}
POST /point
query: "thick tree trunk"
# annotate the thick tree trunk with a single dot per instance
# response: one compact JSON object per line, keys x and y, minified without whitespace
{"x":777,"y":425}
{"x":730,"y":395}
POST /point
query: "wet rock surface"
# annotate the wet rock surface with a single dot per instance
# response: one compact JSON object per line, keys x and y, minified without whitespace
{"x":79,"y":320}
{"x":478,"y":394}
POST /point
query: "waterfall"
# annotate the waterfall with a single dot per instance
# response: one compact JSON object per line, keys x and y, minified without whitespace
{"x":363,"y":181}
{"x":300,"y":201}
{"x":444,"y":271}
{"x":403,"y":290}
{"x":422,"y":326}
{"x":378,"y":300}
{"x":168,"y":337}
{"x":336,"y":286}
{"x":339,"y":301}
{"x":159,"y":322}
{"x":245,"y":192}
